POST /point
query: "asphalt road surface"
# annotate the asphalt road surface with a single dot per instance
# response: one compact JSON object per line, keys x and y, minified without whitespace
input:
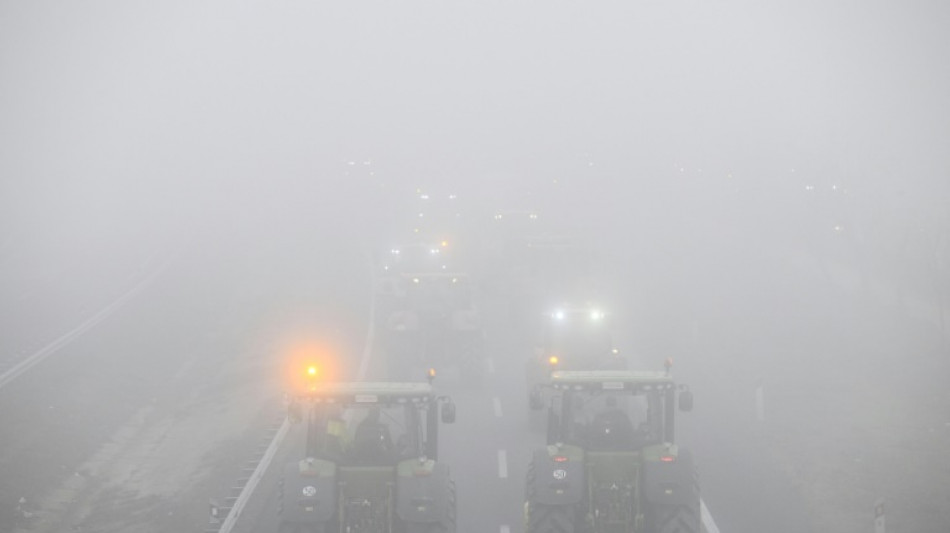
{"x":489,"y":446}
{"x":136,"y":424}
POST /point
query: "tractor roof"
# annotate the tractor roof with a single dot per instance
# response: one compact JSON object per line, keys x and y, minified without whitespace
{"x":638,"y":381}
{"x":369,"y":392}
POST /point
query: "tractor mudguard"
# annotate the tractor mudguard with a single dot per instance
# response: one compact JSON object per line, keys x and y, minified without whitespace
{"x":670,"y":482}
{"x":308,"y":493}
{"x":559,"y":477}
{"x":422,"y":491}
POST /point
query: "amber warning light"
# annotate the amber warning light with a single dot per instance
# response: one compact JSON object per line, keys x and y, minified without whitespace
{"x":312,"y":373}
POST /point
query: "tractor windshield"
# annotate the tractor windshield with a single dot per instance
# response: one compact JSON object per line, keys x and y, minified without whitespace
{"x":367,"y":434}
{"x":611,"y":420}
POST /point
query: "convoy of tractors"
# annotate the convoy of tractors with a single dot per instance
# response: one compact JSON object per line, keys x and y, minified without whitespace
{"x":371,"y":462}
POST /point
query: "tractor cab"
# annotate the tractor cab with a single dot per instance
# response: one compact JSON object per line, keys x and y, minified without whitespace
{"x":371,"y":456}
{"x":613,"y":410}
{"x":611,"y":463}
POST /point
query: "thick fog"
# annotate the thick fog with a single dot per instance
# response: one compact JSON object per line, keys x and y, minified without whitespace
{"x":761,"y":190}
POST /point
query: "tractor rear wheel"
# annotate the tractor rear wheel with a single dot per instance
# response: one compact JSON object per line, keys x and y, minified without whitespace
{"x":677,"y":519}
{"x":543,"y":518}
{"x":551,"y":518}
{"x":682,"y":518}
{"x":446,"y":526}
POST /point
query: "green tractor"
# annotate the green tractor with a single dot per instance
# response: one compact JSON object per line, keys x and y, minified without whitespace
{"x":610,"y":464}
{"x":371,"y":461}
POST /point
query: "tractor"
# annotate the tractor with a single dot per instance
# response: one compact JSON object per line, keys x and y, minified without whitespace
{"x":371,"y":461}
{"x":570,"y":338}
{"x":611,"y":464}
{"x":436,"y":325}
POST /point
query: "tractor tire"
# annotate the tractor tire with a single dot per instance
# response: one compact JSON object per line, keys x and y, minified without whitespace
{"x":546,"y":518}
{"x":678,"y":518}
{"x":446,"y":526}
{"x":551,"y":518}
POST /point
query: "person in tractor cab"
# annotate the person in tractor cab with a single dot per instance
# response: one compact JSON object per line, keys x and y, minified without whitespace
{"x":372,"y":441}
{"x":611,"y":429}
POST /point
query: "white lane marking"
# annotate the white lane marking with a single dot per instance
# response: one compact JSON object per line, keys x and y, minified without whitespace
{"x":104,"y":313}
{"x":491,"y":365}
{"x":502,"y":464}
{"x":242,"y":499}
{"x":709,"y":525}
{"x":505,"y":529}
{"x":497,"y":404}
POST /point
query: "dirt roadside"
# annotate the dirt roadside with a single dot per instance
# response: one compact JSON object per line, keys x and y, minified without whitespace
{"x":866,"y":416}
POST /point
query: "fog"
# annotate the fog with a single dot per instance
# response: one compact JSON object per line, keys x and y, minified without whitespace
{"x":764,"y":190}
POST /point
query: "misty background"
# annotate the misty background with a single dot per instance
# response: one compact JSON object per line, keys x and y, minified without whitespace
{"x":709,"y":148}
{"x":670,"y":127}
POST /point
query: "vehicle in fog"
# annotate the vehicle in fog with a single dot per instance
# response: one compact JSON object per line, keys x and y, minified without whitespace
{"x":415,"y":257}
{"x":371,"y":462}
{"x":570,"y":338}
{"x":611,"y":463}
{"x":436,"y":324}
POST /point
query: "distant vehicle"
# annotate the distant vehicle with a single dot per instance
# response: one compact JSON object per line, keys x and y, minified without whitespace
{"x":436,"y":324}
{"x":526,"y":269}
{"x":611,"y":463}
{"x":570,"y":338}
{"x":371,"y":461}
{"x":421,"y":257}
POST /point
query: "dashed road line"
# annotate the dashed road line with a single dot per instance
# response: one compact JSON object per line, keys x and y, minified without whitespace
{"x":491,"y":365}
{"x":504,"y":529}
{"x":502,"y":464}
{"x":497,"y":404}
{"x":709,"y":525}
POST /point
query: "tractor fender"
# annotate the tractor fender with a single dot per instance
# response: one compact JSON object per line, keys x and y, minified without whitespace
{"x":670,"y":482}
{"x":559,"y":477}
{"x":308,"y":491}
{"x":423,"y":490}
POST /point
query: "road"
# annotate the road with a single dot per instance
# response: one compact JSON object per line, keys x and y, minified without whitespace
{"x":138,"y":422}
{"x":489,"y":446}
{"x":134,"y":424}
